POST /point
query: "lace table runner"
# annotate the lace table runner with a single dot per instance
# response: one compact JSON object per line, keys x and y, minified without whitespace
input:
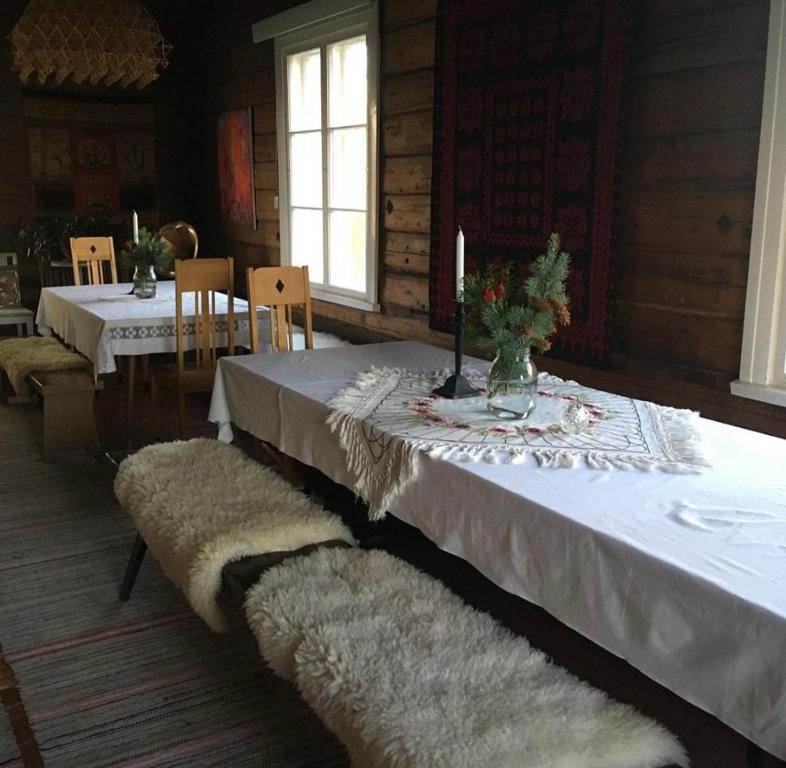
{"x":388,"y":417}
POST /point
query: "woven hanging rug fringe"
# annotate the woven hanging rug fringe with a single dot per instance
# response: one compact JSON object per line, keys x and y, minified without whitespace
{"x":389,"y":417}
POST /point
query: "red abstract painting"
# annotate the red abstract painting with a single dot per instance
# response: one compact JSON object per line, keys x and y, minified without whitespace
{"x":236,"y":168}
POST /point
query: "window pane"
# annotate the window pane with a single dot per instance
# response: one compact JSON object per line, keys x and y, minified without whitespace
{"x":305,"y":169}
{"x":347,"y":253}
{"x":347,"y":82}
{"x":347,"y":168}
{"x":306,"y":238}
{"x":305,"y":103}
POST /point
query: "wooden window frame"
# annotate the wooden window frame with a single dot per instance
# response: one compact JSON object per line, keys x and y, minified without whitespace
{"x":764,"y":334}
{"x":334,"y":27}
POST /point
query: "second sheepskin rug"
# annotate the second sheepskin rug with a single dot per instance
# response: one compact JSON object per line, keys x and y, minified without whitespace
{"x":200,"y":504}
{"x":20,"y":356}
{"x":408,"y":675}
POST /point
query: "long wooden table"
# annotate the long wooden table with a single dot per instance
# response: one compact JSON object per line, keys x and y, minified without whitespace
{"x":684,"y":576}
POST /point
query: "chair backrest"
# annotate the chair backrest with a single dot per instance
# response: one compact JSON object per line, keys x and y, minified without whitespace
{"x":93,"y":253}
{"x":280,"y":289}
{"x":8,"y":259}
{"x":10,"y":296}
{"x":182,"y":238}
{"x":203,"y":278}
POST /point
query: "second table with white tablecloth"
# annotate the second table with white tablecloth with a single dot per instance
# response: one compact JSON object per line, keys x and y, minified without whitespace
{"x":683,"y":575}
{"x":106,"y":321}
{"x":103,"y":321}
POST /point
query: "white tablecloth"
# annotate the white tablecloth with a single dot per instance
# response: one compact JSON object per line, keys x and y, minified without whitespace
{"x":682,"y":575}
{"x":102,"y":321}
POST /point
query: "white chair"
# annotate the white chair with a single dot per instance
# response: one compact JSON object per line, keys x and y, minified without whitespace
{"x":11,"y":310}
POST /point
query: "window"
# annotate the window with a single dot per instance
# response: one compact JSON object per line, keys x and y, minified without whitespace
{"x":327,"y":147}
{"x":763,"y":364}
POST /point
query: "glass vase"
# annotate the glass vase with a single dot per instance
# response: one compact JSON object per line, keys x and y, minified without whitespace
{"x":512,"y":384}
{"x":144,"y":281}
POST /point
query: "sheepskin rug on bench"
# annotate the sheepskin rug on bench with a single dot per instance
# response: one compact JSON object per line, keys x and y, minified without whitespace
{"x":407,"y":675}
{"x":19,"y":357}
{"x":200,"y":504}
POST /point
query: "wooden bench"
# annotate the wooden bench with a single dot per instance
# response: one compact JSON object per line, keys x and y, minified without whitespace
{"x":69,"y":415}
{"x":65,"y":383}
{"x":407,"y":675}
{"x":203,"y":507}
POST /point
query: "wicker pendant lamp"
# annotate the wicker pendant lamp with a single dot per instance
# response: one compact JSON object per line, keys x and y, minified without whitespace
{"x":94,"y":41}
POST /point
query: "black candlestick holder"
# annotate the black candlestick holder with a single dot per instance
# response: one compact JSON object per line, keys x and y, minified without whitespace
{"x":456,"y":386}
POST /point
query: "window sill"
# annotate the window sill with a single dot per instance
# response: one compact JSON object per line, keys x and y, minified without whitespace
{"x":771,"y":393}
{"x":346,"y":301}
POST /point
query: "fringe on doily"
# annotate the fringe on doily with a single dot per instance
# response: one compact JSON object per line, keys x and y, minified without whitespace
{"x":678,"y":432}
{"x":379,"y":481}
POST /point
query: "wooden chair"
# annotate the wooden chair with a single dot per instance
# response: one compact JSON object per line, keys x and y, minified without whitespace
{"x":93,"y":253}
{"x":202,"y":278}
{"x":11,"y":310}
{"x":280,"y":289}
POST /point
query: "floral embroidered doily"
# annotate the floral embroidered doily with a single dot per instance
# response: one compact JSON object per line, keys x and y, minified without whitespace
{"x":388,"y":417}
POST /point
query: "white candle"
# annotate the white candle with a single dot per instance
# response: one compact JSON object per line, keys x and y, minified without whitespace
{"x":135,"y":227}
{"x":459,"y":263}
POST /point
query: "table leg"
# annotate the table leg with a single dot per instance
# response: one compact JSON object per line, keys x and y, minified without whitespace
{"x":755,"y":756}
{"x":130,"y":381}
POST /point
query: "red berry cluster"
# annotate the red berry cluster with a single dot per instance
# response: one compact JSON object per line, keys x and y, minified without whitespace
{"x":497,"y":293}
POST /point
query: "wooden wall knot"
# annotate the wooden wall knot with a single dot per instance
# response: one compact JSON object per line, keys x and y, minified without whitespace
{"x":725,"y":223}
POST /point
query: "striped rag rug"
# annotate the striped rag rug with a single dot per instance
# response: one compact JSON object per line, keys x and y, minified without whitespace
{"x":128,"y":685}
{"x":9,"y":754}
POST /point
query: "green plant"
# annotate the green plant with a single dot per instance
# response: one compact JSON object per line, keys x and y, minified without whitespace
{"x":148,"y":252}
{"x":509,"y":315}
{"x":45,"y":237}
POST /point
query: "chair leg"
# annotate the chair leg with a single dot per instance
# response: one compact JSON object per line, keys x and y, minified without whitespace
{"x":289,"y":468}
{"x":132,"y":569}
{"x":5,"y":387}
{"x":155,"y":393}
{"x":181,"y":413}
{"x":30,"y":330}
{"x":130,"y":384}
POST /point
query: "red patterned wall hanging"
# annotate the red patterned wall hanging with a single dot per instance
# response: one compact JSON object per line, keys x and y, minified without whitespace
{"x":526,"y":117}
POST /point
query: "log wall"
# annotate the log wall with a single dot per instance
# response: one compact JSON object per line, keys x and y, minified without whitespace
{"x":234,"y":73}
{"x":167,"y":104}
{"x":687,"y":174}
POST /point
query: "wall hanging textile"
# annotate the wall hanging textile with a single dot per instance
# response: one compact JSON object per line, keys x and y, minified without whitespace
{"x":526,"y":115}
{"x":389,"y":417}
